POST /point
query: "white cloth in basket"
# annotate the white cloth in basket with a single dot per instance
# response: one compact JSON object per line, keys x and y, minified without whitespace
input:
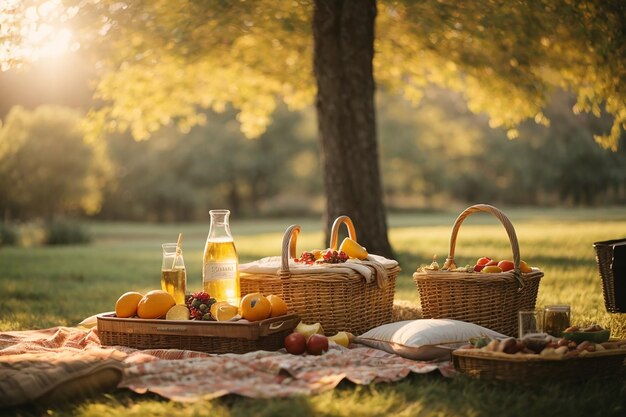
{"x":272,"y":265}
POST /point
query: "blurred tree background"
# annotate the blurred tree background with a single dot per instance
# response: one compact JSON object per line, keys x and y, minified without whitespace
{"x":434,"y":151}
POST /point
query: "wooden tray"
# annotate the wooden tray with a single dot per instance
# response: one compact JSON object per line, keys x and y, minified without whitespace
{"x":533,"y":368}
{"x":206,"y":336}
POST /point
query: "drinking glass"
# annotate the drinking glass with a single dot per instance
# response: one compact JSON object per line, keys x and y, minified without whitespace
{"x":556,"y":319}
{"x":173,"y":272}
{"x":530,"y":321}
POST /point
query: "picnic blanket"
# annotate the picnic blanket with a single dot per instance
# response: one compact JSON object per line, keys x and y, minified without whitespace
{"x":189,"y":376}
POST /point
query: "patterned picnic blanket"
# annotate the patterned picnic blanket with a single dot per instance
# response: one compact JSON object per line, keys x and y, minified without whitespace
{"x":190,"y":376}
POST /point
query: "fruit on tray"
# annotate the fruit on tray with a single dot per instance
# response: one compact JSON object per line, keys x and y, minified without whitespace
{"x":309,"y":329}
{"x":594,"y":333}
{"x":317,"y":344}
{"x":295,"y":343}
{"x":255,"y":307}
{"x":126,"y":305}
{"x":155,"y":304}
{"x":199,"y":304}
{"x":225,"y":312}
{"x":543,"y":345}
{"x":177,"y":312}
{"x":353,"y":249}
{"x":342,"y":338}
{"x":279,"y":307}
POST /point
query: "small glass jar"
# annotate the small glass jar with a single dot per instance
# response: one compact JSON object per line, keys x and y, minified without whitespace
{"x":556,"y":319}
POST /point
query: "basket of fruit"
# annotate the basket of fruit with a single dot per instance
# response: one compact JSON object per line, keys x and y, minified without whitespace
{"x":343,"y":288}
{"x":489,"y":293}
{"x":155,"y":321}
{"x":539,"y":357}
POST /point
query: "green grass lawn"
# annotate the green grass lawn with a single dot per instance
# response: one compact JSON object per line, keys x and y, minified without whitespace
{"x":48,"y":286}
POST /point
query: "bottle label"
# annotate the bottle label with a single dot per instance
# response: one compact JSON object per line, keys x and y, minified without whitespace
{"x":220,"y":270}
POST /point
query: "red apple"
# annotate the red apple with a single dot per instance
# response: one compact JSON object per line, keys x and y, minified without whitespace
{"x":491,"y":262}
{"x":478,"y":268}
{"x":483,"y":261}
{"x":295,"y":343}
{"x":506,"y":265}
{"x":317,"y":344}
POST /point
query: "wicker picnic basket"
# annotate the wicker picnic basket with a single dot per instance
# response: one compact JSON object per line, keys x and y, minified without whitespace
{"x":339,"y":298}
{"x":489,"y":300}
{"x":205,"y":336}
{"x":611,"y":260}
{"x":529,"y":369}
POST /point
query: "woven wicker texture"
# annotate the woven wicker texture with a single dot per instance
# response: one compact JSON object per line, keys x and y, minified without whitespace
{"x":529,"y":369}
{"x":489,"y":300}
{"x":203,"y":336}
{"x":340,"y":301}
{"x":605,"y":252}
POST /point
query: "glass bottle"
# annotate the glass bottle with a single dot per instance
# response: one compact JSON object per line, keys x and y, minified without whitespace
{"x":556,"y":319}
{"x":173,"y":272}
{"x":220,"y":266}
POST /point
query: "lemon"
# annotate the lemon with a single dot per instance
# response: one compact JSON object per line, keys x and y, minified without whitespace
{"x":225,"y":312}
{"x":177,"y":312}
{"x":352,"y":248}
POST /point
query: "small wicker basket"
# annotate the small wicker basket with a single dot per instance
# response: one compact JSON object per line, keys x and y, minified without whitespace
{"x":336,"y":296}
{"x":205,"y":336}
{"x":611,"y":260}
{"x":489,"y":300}
{"x":528,"y":369}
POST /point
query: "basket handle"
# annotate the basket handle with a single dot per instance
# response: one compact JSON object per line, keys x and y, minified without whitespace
{"x":508,"y":226}
{"x":334,"y":232}
{"x":289,"y":246}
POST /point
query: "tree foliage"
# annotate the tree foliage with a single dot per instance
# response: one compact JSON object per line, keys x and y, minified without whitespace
{"x":46,"y":168}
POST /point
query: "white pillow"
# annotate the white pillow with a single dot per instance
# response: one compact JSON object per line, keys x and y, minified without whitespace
{"x":425,"y":339}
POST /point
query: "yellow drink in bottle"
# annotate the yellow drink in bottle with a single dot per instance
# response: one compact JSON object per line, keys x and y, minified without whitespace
{"x":220,"y":266}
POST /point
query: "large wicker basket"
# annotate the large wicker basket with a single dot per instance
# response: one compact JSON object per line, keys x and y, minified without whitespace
{"x":611,"y":259}
{"x":528,"y":369}
{"x":490,"y":300}
{"x":205,"y":336}
{"x":336,"y":296}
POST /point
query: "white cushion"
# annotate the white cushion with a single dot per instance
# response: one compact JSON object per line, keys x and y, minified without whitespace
{"x":424,"y":339}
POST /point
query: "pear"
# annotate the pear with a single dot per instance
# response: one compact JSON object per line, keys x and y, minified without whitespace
{"x":342,"y":338}
{"x":309,"y":329}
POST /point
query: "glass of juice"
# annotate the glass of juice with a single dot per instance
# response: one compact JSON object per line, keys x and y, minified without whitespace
{"x":173,"y":272}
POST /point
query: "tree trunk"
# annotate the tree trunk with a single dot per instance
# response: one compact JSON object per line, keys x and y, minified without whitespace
{"x":343,"y":33}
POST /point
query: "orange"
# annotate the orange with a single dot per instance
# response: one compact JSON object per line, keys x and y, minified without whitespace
{"x":255,"y":307}
{"x":155,"y":304}
{"x":177,"y":312}
{"x":279,"y":307}
{"x":215,"y":306}
{"x":126,"y":305}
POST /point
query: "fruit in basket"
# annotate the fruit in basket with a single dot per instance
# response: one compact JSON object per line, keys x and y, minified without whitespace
{"x":225,"y":312}
{"x":295,"y":343}
{"x":506,"y":265}
{"x":255,"y":307}
{"x":353,"y":249}
{"x":483,"y":261}
{"x":330,"y":256}
{"x":126,"y":305}
{"x":523,"y":266}
{"x":309,"y":329}
{"x":342,"y":338}
{"x":199,"y":304}
{"x":317,"y":344}
{"x":279,"y":307}
{"x":177,"y":312}
{"x":155,"y":304}
{"x":491,"y":269}
{"x":307,"y":258}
